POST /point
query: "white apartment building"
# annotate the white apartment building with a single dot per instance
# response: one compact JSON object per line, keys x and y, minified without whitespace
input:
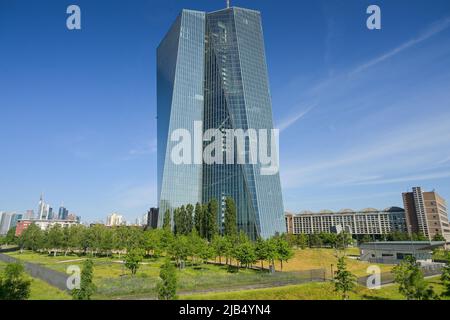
{"x":114,"y":219}
{"x":367,"y":221}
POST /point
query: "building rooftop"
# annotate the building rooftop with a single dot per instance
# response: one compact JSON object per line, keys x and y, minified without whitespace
{"x":416,"y":245}
{"x":348,"y":211}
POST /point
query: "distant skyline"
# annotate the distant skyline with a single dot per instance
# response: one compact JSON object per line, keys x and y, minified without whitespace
{"x":364,"y":115}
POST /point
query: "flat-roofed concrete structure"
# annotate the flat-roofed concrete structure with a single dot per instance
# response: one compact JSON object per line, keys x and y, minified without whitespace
{"x":393,"y":252}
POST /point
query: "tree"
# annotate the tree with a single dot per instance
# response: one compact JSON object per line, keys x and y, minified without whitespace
{"x":133,"y":258}
{"x":343,"y":240}
{"x":196,"y":244}
{"x":366,"y":238}
{"x":87,"y":286}
{"x":75,"y":237}
{"x":189,"y":215}
{"x":32,"y":237}
{"x":438,"y":237}
{"x":167,"y":287}
{"x":211,"y":224}
{"x":178,"y":220}
{"x":219,"y":244}
{"x":411,"y":281}
{"x":302,"y":241}
{"x":10,"y":237}
{"x":244,"y":252}
{"x":135,"y":238}
{"x":261,"y":251}
{"x":445,"y":278}
{"x":13,"y":284}
{"x":180,"y":250}
{"x":205,"y":251}
{"x":228,"y":249}
{"x":230,"y":223}
{"x":167,"y":225}
{"x":205,"y":221}
{"x":167,"y":239}
{"x":344,"y":281}
{"x":328,"y":239}
{"x":55,"y":237}
{"x":198,"y":220}
{"x":121,"y":238}
{"x":315,"y":241}
{"x":152,"y":241}
{"x":284,"y":251}
{"x":272,"y":252}
{"x":94,"y":237}
{"x":107,"y":241}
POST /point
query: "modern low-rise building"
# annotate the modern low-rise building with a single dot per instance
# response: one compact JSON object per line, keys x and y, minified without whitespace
{"x":365,"y":222}
{"x":44,"y":224}
{"x":426,"y":213}
{"x":393,"y":252}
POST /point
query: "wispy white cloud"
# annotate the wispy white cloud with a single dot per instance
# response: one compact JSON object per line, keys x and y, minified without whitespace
{"x":286,"y":123}
{"x":434,"y":29}
{"x":332,"y":80}
{"x":411,"y":145}
{"x":146,"y":148}
{"x":444,"y":161}
{"x":415,"y":178}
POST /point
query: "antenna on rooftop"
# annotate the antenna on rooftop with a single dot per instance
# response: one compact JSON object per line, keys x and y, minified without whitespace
{"x":228,"y":4}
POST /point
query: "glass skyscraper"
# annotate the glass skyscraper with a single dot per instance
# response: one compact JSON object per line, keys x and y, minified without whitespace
{"x":212,"y":68}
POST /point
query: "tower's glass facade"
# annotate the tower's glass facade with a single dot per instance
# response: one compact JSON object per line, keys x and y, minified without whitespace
{"x":180,"y":102}
{"x":235,"y":94}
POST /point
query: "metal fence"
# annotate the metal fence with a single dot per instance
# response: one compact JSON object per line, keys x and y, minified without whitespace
{"x":389,"y":277}
{"x":52,"y":277}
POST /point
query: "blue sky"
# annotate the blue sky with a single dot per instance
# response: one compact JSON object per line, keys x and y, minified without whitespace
{"x":364,"y":114}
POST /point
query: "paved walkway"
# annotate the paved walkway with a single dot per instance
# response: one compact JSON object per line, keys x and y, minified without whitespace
{"x":52,"y":277}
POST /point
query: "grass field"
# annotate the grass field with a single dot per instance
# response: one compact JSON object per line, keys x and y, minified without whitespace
{"x":113,"y":280}
{"x":40,"y":290}
{"x":323,"y":258}
{"x":310,"y":291}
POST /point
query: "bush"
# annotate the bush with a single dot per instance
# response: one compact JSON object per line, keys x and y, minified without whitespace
{"x":13,"y":284}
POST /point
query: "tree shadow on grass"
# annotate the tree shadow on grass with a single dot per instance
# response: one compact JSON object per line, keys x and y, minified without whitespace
{"x":367,"y":297}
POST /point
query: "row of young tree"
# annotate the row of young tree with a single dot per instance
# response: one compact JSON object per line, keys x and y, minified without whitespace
{"x":320,"y":240}
{"x":203,"y":219}
{"x":190,"y":248}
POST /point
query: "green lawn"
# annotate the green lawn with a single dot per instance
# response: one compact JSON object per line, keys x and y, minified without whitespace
{"x":307,"y":259}
{"x":309,"y":291}
{"x":113,"y":280}
{"x":40,"y":290}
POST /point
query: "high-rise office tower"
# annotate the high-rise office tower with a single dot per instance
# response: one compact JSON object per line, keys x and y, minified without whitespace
{"x":426,"y":213}
{"x":114,"y":219}
{"x":15,"y":218}
{"x":212,"y":68}
{"x":43,"y":209}
{"x":29,"y":214}
{"x":63,"y":213}
{"x":5,"y":222}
